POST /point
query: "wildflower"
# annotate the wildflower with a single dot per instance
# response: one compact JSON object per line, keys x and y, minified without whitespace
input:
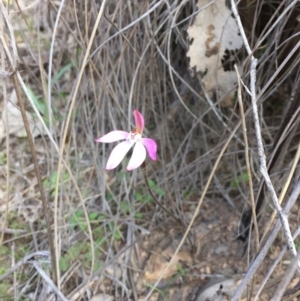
{"x":134,"y":138}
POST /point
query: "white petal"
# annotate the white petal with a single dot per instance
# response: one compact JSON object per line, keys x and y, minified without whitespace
{"x":113,"y":137}
{"x":138,"y":156}
{"x":118,"y":154}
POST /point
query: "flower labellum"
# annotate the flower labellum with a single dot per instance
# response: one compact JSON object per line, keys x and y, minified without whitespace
{"x":134,"y":138}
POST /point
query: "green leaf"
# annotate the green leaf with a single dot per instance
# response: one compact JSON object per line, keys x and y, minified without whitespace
{"x":124,"y":207}
{"x":139,"y":215}
{"x":82,"y":225}
{"x":4,"y":250}
{"x":79,"y":213}
{"x":138,"y":197}
{"x":2,"y":159}
{"x":61,"y":72}
{"x":64,"y":264}
{"x":97,"y":265}
{"x":3,"y":270}
{"x":50,"y":183}
{"x":99,"y":241}
{"x":181,"y":270}
{"x":151,"y":183}
{"x":93,"y":216}
{"x":74,"y":252}
{"x":160,"y":192}
{"x":244,"y":178}
{"x":77,"y":219}
{"x":46,"y":183}
{"x":186,"y":194}
{"x":117,"y":234}
{"x":88,"y":256}
{"x":98,"y":231}
{"x":109,"y":196}
{"x":40,"y":104}
{"x":148,"y":199}
{"x":112,"y":227}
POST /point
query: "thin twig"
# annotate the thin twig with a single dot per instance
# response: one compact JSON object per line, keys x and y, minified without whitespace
{"x":263,"y":164}
{"x":37,"y":172}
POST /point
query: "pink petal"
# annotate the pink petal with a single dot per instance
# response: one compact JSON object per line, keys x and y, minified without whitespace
{"x":138,"y":156}
{"x":118,"y":154}
{"x":139,"y":121}
{"x":113,"y":137}
{"x":151,"y":147}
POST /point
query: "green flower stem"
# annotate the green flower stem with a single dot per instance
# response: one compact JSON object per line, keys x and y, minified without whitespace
{"x":154,"y":198}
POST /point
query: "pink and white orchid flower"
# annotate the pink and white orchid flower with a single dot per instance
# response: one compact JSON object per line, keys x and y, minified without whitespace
{"x":131,"y":139}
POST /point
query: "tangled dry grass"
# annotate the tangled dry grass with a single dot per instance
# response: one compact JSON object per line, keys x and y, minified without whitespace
{"x":86,"y":66}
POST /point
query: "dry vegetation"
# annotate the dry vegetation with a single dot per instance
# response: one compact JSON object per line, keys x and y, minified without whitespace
{"x":110,"y":239}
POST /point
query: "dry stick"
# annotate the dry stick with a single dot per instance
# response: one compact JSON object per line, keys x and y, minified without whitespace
{"x":247,"y":159}
{"x":263,"y":165}
{"x":261,"y":153}
{"x":37,"y":172}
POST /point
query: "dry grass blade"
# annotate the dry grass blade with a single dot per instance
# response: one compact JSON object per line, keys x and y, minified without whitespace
{"x":253,"y":206}
{"x":7,"y":145}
